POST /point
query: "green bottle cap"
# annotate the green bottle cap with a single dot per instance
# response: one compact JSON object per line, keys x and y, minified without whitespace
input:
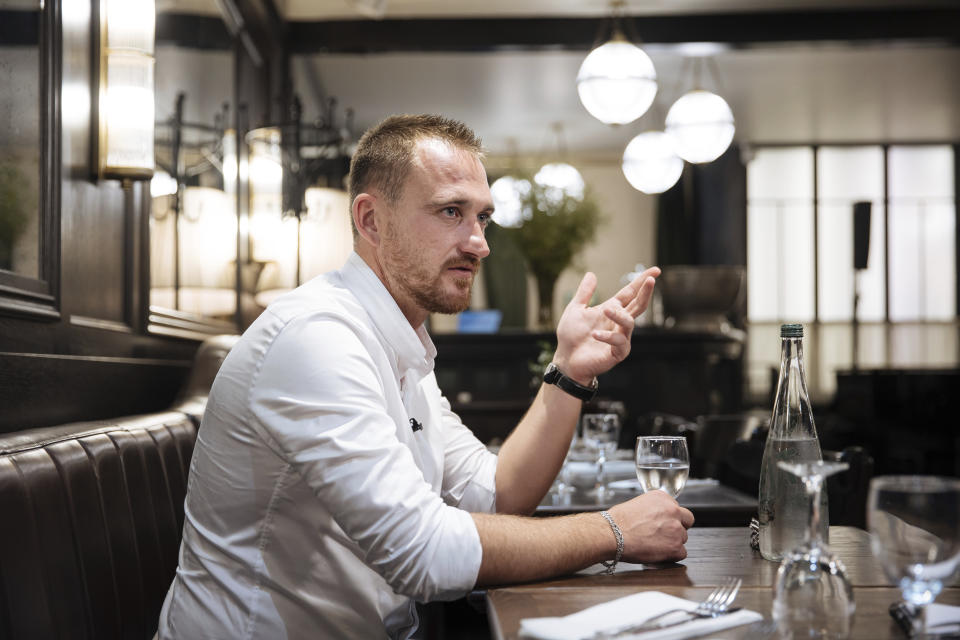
{"x":791,"y":331}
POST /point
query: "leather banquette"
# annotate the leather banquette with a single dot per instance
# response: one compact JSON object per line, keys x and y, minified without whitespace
{"x":91,"y":516}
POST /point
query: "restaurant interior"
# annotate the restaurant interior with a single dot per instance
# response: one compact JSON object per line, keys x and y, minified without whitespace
{"x":152,"y":204}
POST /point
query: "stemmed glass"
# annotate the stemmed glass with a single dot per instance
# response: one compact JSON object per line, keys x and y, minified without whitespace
{"x":563,"y":485}
{"x":662,"y":463}
{"x":601,"y":431}
{"x":915,"y":527}
{"x":812,"y":595}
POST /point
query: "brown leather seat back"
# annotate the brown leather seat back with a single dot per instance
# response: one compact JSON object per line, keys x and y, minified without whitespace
{"x":91,"y":516}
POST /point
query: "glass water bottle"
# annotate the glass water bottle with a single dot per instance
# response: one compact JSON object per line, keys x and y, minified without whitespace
{"x":783,"y":502}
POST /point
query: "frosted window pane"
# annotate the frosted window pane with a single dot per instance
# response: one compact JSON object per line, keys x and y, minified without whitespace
{"x":922,"y":236}
{"x":905,"y":264}
{"x":846,"y":175}
{"x":850,"y":173}
{"x":780,"y":262}
{"x":940,"y":257}
{"x":921,"y":172}
{"x":780,"y":235}
{"x":761,"y":263}
{"x":781,"y":174}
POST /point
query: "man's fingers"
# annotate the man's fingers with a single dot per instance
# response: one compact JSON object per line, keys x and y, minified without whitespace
{"x":619,"y":316}
{"x":630,"y":291}
{"x":612,"y":338}
{"x":585,"y":291}
{"x":639,"y":302}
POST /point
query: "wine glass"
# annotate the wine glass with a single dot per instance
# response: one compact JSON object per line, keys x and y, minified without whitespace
{"x":563,"y":484}
{"x":601,"y":431}
{"x":662,"y":463}
{"x":812,"y":596}
{"x":915,"y":527}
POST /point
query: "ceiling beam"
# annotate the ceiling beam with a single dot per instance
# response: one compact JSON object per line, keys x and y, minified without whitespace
{"x":742,"y":29}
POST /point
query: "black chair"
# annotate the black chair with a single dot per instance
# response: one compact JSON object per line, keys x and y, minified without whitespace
{"x":714,"y":436}
{"x":846,"y":491}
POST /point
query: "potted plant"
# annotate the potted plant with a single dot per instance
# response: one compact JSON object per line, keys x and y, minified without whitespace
{"x":556,"y":227}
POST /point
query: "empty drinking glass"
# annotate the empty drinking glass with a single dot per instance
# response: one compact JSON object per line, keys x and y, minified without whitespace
{"x":915,"y":527}
{"x":601,"y":431}
{"x":812,"y":596}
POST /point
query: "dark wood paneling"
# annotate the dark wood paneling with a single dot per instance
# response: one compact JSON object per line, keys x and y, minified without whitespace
{"x":488,"y":381}
{"x":739,"y":29}
{"x":39,"y":390}
{"x":93,"y":250}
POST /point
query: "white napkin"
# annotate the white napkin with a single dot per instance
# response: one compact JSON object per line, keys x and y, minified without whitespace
{"x":631,"y":610}
{"x":943,"y":618}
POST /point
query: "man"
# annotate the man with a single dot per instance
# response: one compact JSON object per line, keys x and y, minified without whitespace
{"x":331,"y":486}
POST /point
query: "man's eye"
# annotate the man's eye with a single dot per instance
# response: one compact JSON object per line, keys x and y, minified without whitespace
{"x":450,"y":211}
{"x":484,"y":219}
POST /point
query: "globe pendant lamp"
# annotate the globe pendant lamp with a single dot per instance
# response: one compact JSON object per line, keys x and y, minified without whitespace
{"x":508,"y":193}
{"x":617,"y":81}
{"x":701,"y":124}
{"x":560,"y":179}
{"x":650,"y":162}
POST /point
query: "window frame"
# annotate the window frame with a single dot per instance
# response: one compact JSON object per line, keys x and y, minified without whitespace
{"x":885,"y":149}
{"x":24,"y":296}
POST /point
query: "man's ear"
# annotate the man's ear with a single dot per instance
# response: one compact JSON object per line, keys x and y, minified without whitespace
{"x":364,"y":218}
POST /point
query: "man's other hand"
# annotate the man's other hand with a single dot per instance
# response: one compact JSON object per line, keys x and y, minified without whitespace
{"x":654,"y":528}
{"x":591,"y":340}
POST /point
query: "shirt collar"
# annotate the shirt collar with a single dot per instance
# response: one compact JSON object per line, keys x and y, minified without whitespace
{"x":413,"y":348}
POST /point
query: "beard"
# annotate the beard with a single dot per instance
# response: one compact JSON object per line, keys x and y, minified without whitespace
{"x":406,"y":274}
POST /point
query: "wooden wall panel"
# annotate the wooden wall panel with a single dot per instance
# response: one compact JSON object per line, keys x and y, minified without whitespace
{"x":39,"y":390}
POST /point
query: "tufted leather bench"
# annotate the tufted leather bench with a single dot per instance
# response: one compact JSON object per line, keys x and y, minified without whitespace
{"x":91,"y":516}
{"x":91,"y":520}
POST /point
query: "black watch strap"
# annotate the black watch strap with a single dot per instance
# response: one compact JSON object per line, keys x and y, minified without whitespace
{"x":553,"y":375}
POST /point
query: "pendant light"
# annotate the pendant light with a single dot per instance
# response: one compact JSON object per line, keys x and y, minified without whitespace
{"x":701,"y":123}
{"x":508,"y":193}
{"x":650,"y":162}
{"x":617,"y":81}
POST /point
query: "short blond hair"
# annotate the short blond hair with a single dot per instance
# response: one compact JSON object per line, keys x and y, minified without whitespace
{"x":386,"y":152}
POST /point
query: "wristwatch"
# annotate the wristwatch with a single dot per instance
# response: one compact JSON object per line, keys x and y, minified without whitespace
{"x":553,"y":375}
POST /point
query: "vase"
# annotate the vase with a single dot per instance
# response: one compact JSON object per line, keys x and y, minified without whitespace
{"x":545,"y":287}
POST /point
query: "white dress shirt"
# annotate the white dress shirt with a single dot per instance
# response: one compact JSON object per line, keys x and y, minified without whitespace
{"x":331,"y":484}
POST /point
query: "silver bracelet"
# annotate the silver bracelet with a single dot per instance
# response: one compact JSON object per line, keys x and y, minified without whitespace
{"x":612,"y":565}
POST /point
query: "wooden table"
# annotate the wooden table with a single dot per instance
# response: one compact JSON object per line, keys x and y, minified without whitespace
{"x":712,"y":504}
{"x":713,"y":554}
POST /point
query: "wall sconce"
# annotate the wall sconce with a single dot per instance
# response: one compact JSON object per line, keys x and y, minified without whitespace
{"x":289,"y":162}
{"x":126,"y":97}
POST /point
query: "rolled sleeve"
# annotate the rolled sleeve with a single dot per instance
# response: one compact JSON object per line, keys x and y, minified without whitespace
{"x":332,"y":425}
{"x":469,"y":476}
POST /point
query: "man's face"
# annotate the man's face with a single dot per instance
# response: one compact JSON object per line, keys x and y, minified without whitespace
{"x":432,"y":240}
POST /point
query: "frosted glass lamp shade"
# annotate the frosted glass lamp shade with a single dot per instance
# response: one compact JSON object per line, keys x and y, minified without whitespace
{"x":162,"y":184}
{"x":126,"y":95}
{"x":701,"y":123}
{"x":265,"y":171}
{"x":650,"y":162}
{"x":508,"y":193}
{"x":617,"y":82}
{"x":560,"y":179}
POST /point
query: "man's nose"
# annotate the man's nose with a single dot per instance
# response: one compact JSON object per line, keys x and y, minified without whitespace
{"x":476,"y":242}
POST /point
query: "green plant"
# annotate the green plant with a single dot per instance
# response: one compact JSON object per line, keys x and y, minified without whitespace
{"x":539,"y":366}
{"x":556,"y":227}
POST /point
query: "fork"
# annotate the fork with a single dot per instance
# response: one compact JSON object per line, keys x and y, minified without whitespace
{"x":715,"y":604}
